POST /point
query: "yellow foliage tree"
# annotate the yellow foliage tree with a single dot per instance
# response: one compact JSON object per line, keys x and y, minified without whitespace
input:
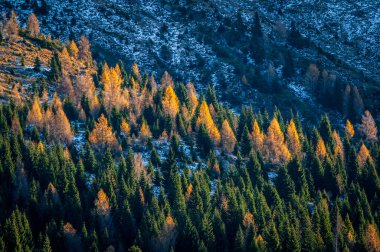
{"x":276,"y":151}
{"x":136,"y":72}
{"x":84,"y":50}
{"x":368,"y":128}
{"x":124,"y":127}
{"x":60,"y":128}
{"x":372,"y":241}
{"x":338,"y":149}
{"x":102,"y":203}
{"x":32,"y":25}
{"x":112,"y":93}
{"x":102,"y":136}
{"x":35,"y":115}
{"x":257,"y":137}
{"x":170,"y":102}
{"x":292,"y":139}
{"x":364,"y":155}
{"x":145,"y":133}
{"x":227,"y":137}
{"x":189,"y":190}
{"x":73,"y":49}
{"x":320,"y":149}
{"x":350,"y":132}
{"x":167,"y":80}
{"x":192,"y":96}
{"x":205,"y":118}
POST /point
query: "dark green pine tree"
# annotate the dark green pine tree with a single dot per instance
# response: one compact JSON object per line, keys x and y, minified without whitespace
{"x":291,"y":242}
{"x":93,"y":242}
{"x":245,"y":142}
{"x":211,"y":98}
{"x":89,"y":160}
{"x":271,"y":237}
{"x":284,"y":184}
{"x":37,"y":65}
{"x":326,"y":132}
{"x":255,"y":172}
{"x":239,"y":243}
{"x":297,"y":173}
{"x":46,"y":245}
{"x":204,"y":141}
{"x":317,"y":172}
{"x":55,"y":68}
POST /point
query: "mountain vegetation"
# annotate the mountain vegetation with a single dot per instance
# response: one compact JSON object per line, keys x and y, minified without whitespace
{"x":101,"y":157}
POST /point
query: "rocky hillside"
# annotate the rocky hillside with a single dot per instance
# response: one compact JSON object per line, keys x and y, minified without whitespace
{"x":211,"y":43}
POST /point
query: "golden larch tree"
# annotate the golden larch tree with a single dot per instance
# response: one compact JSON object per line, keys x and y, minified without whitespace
{"x":166,"y":80}
{"x":11,"y":27}
{"x":368,"y":128}
{"x":189,"y":190}
{"x":58,"y":125}
{"x":364,"y":155}
{"x":65,"y":59}
{"x":62,"y":131}
{"x":35,"y":115}
{"x":84,"y":50}
{"x":292,"y":139}
{"x":170,"y":102}
{"x":102,"y":203}
{"x":73,"y":49}
{"x":205,"y":118}
{"x":192,"y":96}
{"x":112,"y":92}
{"x":124,"y":128}
{"x":372,"y":240}
{"x":227,"y":137}
{"x":145,"y":133}
{"x":32,"y":25}
{"x":257,"y":137}
{"x":320,"y":149}
{"x":338,"y":146}
{"x":349,"y":130}
{"x":136,"y":72}
{"x":276,"y":151}
{"x":102,"y":135}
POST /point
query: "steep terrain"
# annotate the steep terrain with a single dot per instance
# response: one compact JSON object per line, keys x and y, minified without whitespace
{"x":204,"y":42}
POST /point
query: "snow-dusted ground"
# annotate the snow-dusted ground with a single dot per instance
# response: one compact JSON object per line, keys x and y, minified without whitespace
{"x":159,"y":37}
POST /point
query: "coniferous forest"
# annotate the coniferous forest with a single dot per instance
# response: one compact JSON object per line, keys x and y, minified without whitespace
{"x":106,"y":157}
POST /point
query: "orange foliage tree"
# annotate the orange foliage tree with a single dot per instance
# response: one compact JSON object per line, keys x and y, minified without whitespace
{"x":338,"y":149}
{"x":349,"y":130}
{"x":292,"y":139}
{"x":192,"y":96}
{"x":102,"y":135}
{"x":73,"y":49}
{"x":35,"y":115}
{"x":363,"y":155}
{"x":257,"y":137}
{"x":205,"y":118}
{"x":320,"y":149}
{"x":368,"y":128}
{"x":32,"y":25}
{"x":276,"y":151}
{"x":113,"y":95}
{"x":227,"y":137}
{"x":145,"y":133}
{"x":170,"y":102}
{"x":372,"y":241}
{"x":102,"y":203}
